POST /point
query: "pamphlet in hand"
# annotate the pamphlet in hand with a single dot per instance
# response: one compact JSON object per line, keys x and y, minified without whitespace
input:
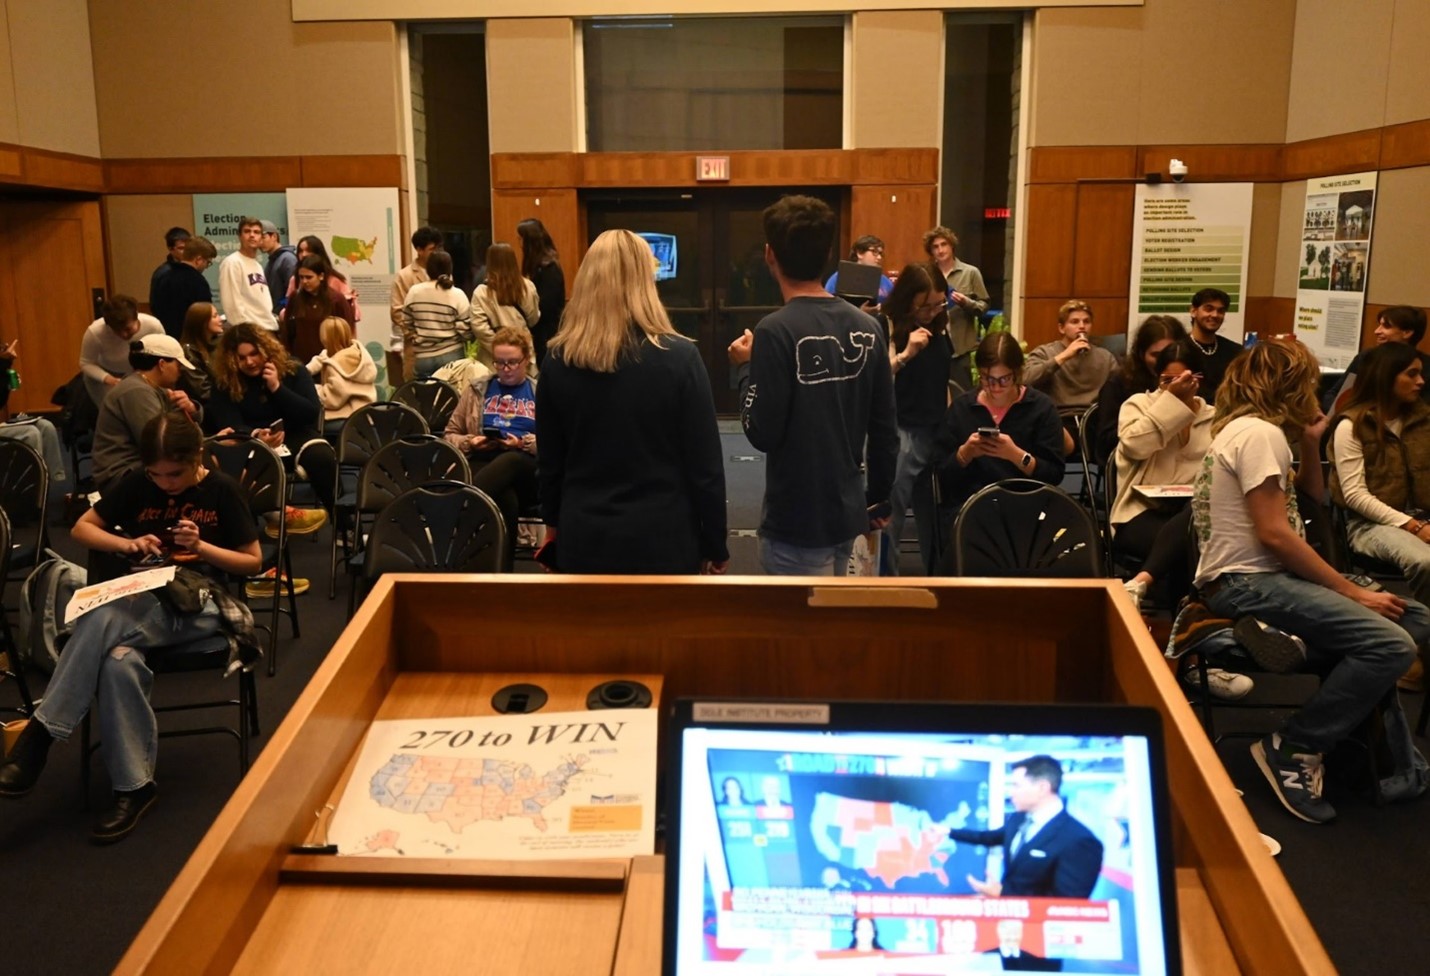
{"x":89,"y":597}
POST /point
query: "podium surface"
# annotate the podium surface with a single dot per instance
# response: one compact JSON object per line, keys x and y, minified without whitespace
{"x":429,"y":645}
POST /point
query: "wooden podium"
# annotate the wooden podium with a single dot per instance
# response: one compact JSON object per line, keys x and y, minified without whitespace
{"x":426,"y":646}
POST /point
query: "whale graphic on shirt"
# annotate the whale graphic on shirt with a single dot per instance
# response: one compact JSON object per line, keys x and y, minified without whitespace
{"x":824,"y":359}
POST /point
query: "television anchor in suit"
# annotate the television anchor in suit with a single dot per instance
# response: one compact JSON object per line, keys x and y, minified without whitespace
{"x":1047,"y":853}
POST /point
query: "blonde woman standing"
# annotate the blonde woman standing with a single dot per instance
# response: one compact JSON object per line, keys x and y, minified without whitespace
{"x":629,"y":462}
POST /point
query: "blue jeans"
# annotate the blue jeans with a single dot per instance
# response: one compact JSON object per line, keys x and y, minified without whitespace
{"x":103,"y":662}
{"x":913,"y":485}
{"x":1360,"y":652}
{"x":783,"y":559}
{"x":44,"y":440}
{"x":423,"y":367}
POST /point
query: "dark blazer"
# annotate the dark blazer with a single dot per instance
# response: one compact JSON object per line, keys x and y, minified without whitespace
{"x":1027,"y":962}
{"x":172,"y":294}
{"x":629,"y":463}
{"x":1062,"y":860}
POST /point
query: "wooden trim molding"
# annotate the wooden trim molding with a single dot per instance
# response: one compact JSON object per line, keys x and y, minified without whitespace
{"x":807,"y":167}
{"x":1403,"y":146}
{"x":1067,"y":164}
{"x":28,"y":166}
{"x":1251,"y":163}
{"x":1348,"y":152}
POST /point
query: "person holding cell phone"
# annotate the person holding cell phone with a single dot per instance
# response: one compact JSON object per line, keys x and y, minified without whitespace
{"x":173,"y":510}
{"x":494,"y":424}
{"x":1001,"y":430}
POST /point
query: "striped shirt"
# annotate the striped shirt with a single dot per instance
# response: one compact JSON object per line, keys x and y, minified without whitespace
{"x":436,"y":320}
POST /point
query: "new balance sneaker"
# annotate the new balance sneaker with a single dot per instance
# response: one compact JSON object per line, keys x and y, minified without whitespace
{"x":1272,"y":649}
{"x":1295,"y":776}
{"x":1137,"y":590}
{"x":301,"y":521}
{"x":1225,"y":685}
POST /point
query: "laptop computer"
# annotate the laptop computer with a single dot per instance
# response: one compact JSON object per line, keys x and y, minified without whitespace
{"x":877,"y":837}
{"x":857,"y":280}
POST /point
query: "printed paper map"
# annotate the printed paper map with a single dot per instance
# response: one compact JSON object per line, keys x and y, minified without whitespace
{"x":540,"y":786}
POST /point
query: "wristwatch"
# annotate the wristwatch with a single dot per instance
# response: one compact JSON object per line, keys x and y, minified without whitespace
{"x":1025,"y":461}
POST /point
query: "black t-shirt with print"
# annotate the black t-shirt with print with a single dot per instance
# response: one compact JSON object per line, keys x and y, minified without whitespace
{"x":216,"y":505}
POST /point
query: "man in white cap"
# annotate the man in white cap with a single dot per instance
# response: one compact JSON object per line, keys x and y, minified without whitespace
{"x":282,"y":264}
{"x":142,"y":395}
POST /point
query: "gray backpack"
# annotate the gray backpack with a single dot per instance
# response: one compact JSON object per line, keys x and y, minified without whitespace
{"x":43,"y":598}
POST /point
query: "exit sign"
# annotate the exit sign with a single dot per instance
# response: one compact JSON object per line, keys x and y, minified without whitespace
{"x":712,"y":168}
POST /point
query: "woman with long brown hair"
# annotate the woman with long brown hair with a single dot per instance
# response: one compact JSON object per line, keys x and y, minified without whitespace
{"x":629,"y":463}
{"x":920,"y":355}
{"x":1138,"y":374}
{"x":311,"y":303}
{"x":506,"y":300}
{"x":1255,"y":562}
{"x":542,"y":265}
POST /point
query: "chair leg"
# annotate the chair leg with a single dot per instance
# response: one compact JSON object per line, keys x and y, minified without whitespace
{"x":292,"y":595}
{"x":17,"y":667}
{"x":84,"y":755}
{"x":1424,"y":715}
{"x":247,"y":682}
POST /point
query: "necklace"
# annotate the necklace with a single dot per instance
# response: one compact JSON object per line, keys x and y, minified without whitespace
{"x":1205,"y":350}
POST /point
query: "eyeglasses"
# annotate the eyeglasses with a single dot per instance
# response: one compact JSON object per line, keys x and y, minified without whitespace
{"x":1165,"y":379}
{"x":932,"y":307}
{"x":1003,"y":380}
{"x":507,"y":363}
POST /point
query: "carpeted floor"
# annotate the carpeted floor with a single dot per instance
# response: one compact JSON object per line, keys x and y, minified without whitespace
{"x":73,"y":908}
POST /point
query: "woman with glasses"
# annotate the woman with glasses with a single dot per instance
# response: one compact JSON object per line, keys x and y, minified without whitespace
{"x":631,"y":471}
{"x":1162,"y":437}
{"x":494,"y":424}
{"x":919,"y":354}
{"x":1001,"y":430}
{"x":173,"y":511}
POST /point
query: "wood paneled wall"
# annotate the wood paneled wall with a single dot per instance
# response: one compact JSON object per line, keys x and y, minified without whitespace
{"x":1079,"y":218}
{"x":43,"y":169}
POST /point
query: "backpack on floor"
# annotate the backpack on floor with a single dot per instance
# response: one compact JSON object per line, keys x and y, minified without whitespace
{"x":43,"y":598}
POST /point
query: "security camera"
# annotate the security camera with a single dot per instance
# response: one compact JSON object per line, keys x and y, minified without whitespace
{"x":1178,"y":170}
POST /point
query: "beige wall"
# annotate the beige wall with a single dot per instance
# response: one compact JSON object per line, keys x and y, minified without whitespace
{"x":251,"y":66}
{"x":1213,"y":71}
{"x":532,"y":85}
{"x":1397,"y":250}
{"x":46,"y":76}
{"x":136,"y":224}
{"x":897,"y":61}
{"x":1340,"y":72}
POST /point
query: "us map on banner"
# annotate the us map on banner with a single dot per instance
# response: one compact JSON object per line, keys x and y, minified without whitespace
{"x":525,"y":787}
{"x":1334,"y":265}
{"x":1186,"y":237}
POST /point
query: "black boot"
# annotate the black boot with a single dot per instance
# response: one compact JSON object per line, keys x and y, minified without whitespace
{"x":22,"y":767}
{"x":124,"y":816}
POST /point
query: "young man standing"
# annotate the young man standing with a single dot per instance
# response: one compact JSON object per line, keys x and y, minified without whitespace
{"x":184,"y":285}
{"x":1208,"y":313}
{"x":173,"y":240}
{"x":425,"y":240}
{"x":967,"y":300}
{"x":281,"y":266}
{"x":815,"y":385}
{"x":241,"y":282}
{"x":866,"y":250}
{"x":104,"y":350}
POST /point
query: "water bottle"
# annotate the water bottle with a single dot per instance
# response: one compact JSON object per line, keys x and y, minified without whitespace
{"x":1252,"y":338}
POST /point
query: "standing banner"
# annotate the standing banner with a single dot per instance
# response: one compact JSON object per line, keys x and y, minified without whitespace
{"x":1186,"y":237}
{"x":359,"y":227}
{"x":216,"y":217}
{"x":1334,"y":263}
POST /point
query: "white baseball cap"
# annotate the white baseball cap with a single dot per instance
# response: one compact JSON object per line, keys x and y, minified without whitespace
{"x":164,"y":346}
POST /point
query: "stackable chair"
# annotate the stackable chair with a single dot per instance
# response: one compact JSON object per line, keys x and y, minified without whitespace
{"x":15,"y":668}
{"x":24,"y":494}
{"x":433,"y":399}
{"x":444,"y":527}
{"x":1025,"y":528}
{"x":260,"y":473}
{"x":363,"y":433}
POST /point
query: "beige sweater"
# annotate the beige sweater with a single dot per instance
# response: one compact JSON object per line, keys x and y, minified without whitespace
{"x":489,"y":318}
{"x":345,"y":381}
{"x":1150,"y":450}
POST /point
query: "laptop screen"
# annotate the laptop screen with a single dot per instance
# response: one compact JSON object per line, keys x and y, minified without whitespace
{"x":902,"y":838}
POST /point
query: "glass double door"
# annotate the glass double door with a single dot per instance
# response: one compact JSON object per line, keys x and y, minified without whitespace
{"x":712,"y":277}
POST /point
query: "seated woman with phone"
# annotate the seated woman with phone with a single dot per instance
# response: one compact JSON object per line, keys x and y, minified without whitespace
{"x":260,"y":390}
{"x":1000,"y":430}
{"x":494,"y":424}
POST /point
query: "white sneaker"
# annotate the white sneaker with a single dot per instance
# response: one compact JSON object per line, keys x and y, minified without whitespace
{"x":1137,"y":590}
{"x":1226,"y":685}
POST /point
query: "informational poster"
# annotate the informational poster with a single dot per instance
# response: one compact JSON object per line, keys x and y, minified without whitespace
{"x":359,"y":228}
{"x":1186,"y":237}
{"x":543,"y":786}
{"x":1334,"y":264}
{"x":216,"y":217}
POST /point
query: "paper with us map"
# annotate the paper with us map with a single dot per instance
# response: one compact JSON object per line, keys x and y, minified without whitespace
{"x":542,"y":786}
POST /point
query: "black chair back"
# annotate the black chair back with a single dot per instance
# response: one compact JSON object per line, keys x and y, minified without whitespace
{"x":254,"y":465}
{"x":14,"y":667}
{"x":432,"y":398}
{"x":404,"y":464}
{"x":374,"y":425}
{"x":1024,"y":528}
{"x":444,"y":527}
{"x":24,"y":494}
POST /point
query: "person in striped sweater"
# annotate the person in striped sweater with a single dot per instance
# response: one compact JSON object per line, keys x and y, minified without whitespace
{"x":436,"y":318}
